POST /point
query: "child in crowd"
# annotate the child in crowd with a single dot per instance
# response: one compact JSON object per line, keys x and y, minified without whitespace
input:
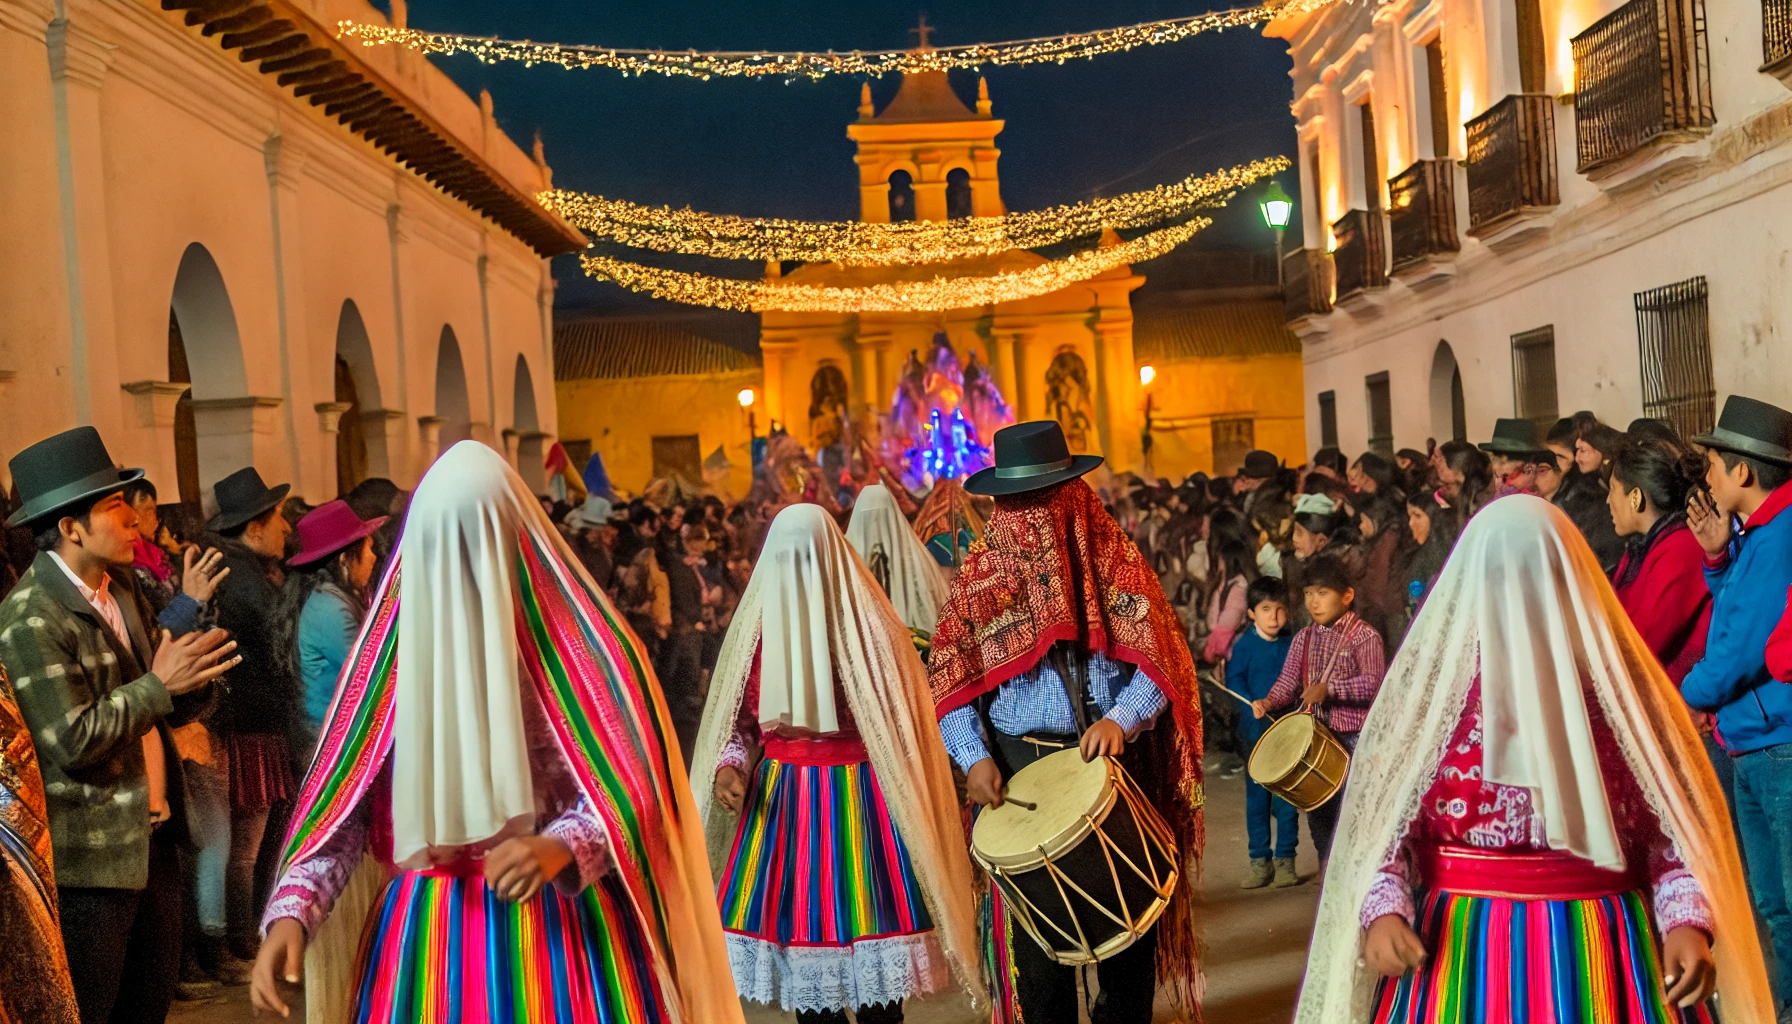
{"x":1334,"y":666}
{"x":1251,"y":671}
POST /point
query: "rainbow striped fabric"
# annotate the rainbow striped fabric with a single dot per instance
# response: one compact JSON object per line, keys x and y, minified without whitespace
{"x":817,"y":861}
{"x":1501,"y":961}
{"x":442,"y":949}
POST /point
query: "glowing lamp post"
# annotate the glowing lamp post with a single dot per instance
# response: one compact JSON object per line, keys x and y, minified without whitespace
{"x":1277,"y":207}
{"x":746,"y":404}
{"x":1147,"y":374}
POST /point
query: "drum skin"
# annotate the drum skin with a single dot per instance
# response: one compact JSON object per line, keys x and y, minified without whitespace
{"x":1089,"y":821}
{"x":1300,"y":760}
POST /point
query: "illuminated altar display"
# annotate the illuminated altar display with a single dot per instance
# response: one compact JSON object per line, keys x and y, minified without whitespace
{"x":940,"y":417}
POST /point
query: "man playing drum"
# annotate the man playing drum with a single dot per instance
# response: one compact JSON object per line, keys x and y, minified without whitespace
{"x":1057,"y":634}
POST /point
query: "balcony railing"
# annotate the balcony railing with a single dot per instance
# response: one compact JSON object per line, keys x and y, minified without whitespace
{"x":1776,"y":33}
{"x":1361,"y":257}
{"x":1511,"y":160}
{"x":1641,"y":73}
{"x":1422,"y":212}
{"x":1306,"y":284}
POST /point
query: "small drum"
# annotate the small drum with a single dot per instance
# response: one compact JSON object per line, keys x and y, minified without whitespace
{"x":1087,"y":872}
{"x":1300,"y":760}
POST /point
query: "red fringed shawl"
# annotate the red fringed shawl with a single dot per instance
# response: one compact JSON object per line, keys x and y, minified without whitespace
{"x":1054,"y":565}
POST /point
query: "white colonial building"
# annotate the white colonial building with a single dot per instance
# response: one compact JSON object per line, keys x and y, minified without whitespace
{"x":1529,"y":207}
{"x":229,"y":238}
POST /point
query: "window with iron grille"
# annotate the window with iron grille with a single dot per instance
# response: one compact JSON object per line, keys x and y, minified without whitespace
{"x":1673,"y":331}
{"x":1233,"y":439}
{"x":1534,"y":377}
{"x":1328,"y":419}
{"x":1381,"y":414}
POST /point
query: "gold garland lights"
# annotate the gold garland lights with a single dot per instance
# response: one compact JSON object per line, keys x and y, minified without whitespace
{"x":754,"y":64}
{"x":940,"y":293}
{"x":859,"y":243}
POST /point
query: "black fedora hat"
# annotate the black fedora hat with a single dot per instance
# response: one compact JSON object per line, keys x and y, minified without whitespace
{"x":1030,"y":457}
{"x":242,"y":497}
{"x":1753,"y":428}
{"x":63,"y":471}
{"x":1260,"y":465}
{"x":1517,"y":439}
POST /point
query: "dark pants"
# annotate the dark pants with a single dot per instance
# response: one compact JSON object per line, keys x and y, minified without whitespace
{"x":1322,"y":821}
{"x":1047,"y":989}
{"x":880,"y":1013}
{"x":1261,"y":806}
{"x":124,"y":945}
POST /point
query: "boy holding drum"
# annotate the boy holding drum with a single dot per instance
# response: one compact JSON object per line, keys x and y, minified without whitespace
{"x":1252,"y":668}
{"x":1335,"y":667}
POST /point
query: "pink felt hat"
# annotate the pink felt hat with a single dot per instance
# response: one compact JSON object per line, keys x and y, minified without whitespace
{"x":329,"y":528}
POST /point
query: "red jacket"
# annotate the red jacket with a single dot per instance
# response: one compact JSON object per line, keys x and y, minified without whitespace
{"x":1668,"y":600}
{"x":1779,"y":645}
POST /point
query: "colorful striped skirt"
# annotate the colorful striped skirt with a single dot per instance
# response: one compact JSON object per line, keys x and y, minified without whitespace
{"x":1507,"y":961}
{"x":820,"y":904}
{"x":442,"y":949}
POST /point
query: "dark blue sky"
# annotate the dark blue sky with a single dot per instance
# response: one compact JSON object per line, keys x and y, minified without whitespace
{"x":1118,"y":123}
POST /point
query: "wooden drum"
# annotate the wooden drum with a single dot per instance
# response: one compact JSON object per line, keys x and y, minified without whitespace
{"x":1087,"y":872}
{"x":1300,"y":760}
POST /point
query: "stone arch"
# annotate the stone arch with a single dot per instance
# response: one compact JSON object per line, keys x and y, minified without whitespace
{"x":959,"y":203}
{"x":214,"y":426}
{"x":830,"y":398}
{"x":902,"y":195}
{"x":361,"y":446}
{"x":1070,"y":399}
{"x":526,"y":421}
{"x":1449,"y":414}
{"x":454,"y":408}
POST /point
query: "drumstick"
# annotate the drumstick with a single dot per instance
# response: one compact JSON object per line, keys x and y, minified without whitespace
{"x":1020,"y":803}
{"x":1224,"y":689}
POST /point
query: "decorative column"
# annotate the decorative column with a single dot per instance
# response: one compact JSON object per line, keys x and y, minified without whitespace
{"x":876,"y":346}
{"x":429,"y":432}
{"x":234,"y":433}
{"x":383,"y":430}
{"x":154,"y":404}
{"x":1118,"y":415}
{"x":775,"y":350}
{"x":284,"y":161}
{"x":329,"y":417}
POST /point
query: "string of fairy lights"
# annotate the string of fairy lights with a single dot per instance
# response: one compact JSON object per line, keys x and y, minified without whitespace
{"x":772,"y":63}
{"x":938,"y":293}
{"x":859,"y":243}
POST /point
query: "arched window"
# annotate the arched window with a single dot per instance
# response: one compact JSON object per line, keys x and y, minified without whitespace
{"x":1449,"y":414}
{"x":958,"y":193}
{"x":902,"y":196}
{"x":829,"y":394}
{"x":1069,"y":399}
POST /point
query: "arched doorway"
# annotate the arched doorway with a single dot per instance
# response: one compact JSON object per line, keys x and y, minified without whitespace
{"x":1070,"y":400}
{"x":357,"y":385}
{"x":214,"y":436}
{"x":958,"y":194}
{"x":902,"y":196}
{"x":530,"y":459}
{"x":829,"y":395}
{"x":452,"y":404}
{"x":1449,"y":413}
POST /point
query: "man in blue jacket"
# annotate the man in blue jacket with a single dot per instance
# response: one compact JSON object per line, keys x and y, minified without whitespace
{"x":1746,"y":531}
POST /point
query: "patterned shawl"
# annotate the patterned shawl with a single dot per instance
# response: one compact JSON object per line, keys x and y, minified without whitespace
{"x":34,"y":981}
{"x":1054,"y":565}
{"x":611,"y":724}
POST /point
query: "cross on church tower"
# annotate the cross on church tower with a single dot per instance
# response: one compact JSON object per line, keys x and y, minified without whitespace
{"x":921,"y":32}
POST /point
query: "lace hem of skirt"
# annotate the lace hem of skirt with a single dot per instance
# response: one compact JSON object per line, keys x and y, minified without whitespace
{"x":820,"y":978}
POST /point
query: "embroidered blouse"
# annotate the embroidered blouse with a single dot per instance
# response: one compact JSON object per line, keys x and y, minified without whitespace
{"x":1462,"y":809}
{"x":748,"y":732}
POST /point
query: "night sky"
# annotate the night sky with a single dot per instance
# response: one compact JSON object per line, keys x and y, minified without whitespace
{"x":1118,"y":123}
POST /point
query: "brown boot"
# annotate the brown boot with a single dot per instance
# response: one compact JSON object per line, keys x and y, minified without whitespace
{"x":1286,"y":876}
{"x":1259,"y":874}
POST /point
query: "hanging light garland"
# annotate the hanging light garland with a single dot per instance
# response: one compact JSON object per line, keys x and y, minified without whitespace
{"x":859,"y":243}
{"x":938,"y":293}
{"x":762,"y":63}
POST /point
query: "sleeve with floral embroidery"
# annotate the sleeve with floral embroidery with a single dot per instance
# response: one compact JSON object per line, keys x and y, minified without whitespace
{"x":584,"y":834}
{"x":309,"y":888}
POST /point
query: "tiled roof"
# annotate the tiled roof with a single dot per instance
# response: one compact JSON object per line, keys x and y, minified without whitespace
{"x":1244,"y":327}
{"x":926,"y":96}
{"x":613,"y":348}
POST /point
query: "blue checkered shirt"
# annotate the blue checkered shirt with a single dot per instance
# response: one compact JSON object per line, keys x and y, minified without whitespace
{"x":1035,"y":701}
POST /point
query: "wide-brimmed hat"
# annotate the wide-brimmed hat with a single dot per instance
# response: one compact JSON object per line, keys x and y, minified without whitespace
{"x":1260,"y":465}
{"x":1753,"y":428}
{"x":241,"y":498}
{"x":1516,"y":439}
{"x":330,"y":528}
{"x":72,"y":468}
{"x":1030,"y":457}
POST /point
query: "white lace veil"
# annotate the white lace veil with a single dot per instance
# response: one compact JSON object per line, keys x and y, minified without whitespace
{"x":1523,"y":601}
{"x":884,"y":539}
{"x":854,"y":631}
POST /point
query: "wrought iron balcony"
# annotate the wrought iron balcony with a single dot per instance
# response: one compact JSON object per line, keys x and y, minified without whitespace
{"x":1361,"y":256}
{"x":1511,"y":160}
{"x":1306,"y":284}
{"x":1776,"y":36}
{"x":1422,"y":212}
{"x":1642,"y":74}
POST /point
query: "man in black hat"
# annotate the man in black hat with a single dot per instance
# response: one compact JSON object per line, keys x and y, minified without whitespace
{"x":99,"y":692}
{"x":1747,"y":535}
{"x":254,"y":718}
{"x":1515,"y":454}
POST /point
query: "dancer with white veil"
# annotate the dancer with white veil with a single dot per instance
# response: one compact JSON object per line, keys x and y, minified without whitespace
{"x":1531,"y":831}
{"x":897,"y":559}
{"x":847,"y":884}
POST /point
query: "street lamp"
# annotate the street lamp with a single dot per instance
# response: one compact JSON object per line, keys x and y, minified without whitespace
{"x":746,"y":404}
{"x":1147,"y":374}
{"x":1277,"y":207}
